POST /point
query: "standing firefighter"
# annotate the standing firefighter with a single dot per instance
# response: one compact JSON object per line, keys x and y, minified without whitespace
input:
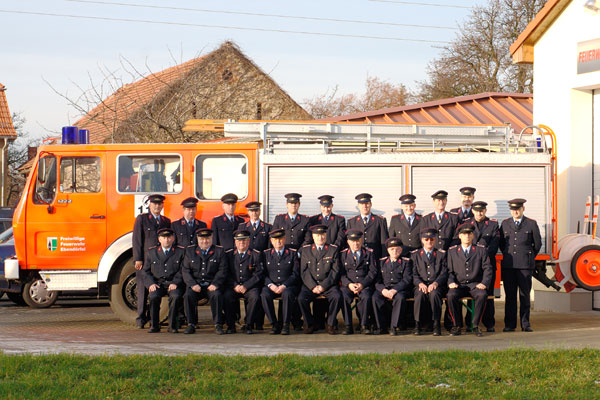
{"x":374,"y":227}
{"x":407,"y":225}
{"x":145,"y":236}
{"x":465,"y":211}
{"x":185,"y":228}
{"x":295,"y":225}
{"x":336,"y":224}
{"x":225,"y":224}
{"x":443,"y":221}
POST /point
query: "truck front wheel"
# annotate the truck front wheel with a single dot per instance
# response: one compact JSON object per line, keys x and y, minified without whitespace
{"x":37,"y":295}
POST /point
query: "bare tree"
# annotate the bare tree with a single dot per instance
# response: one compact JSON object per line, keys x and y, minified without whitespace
{"x":478,"y":60}
{"x":378,"y":94}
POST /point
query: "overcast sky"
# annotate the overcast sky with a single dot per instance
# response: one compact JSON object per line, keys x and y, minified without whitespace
{"x":65,"y":50}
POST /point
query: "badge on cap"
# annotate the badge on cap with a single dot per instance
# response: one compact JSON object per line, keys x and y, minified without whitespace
{"x":479,"y":205}
{"x":467,"y":190}
{"x":190,"y":202}
{"x":253,"y":205}
{"x":465,"y":228}
{"x":428,"y":233}
{"x":320,"y":228}
{"x":407,"y":199}
{"x":165,"y":232}
{"x":277,"y":233}
{"x":363,"y":198}
{"x":393,"y":242}
{"x":354,"y":234}
{"x":293,"y":197}
{"x":515,"y":204}
{"x":440,"y":194}
{"x":241,"y":234}
{"x":229,"y":198}
{"x":204,"y":232}
{"x":156,"y":198}
{"x":326,"y":200}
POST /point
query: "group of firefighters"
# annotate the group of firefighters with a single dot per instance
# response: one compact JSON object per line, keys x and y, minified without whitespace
{"x":331,"y":262}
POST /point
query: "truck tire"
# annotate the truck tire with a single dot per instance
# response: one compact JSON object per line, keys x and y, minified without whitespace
{"x":123,"y":294}
{"x":36,"y":294}
{"x":16,"y":298}
{"x":585,"y":267}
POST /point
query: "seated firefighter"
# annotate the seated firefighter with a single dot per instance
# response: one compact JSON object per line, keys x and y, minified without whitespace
{"x":245,"y":279}
{"x":393,"y":283}
{"x":469,"y":274}
{"x":359,"y":271}
{"x":204,"y":272}
{"x":162,"y":276}
{"x":430,"y":277}
{"x":282,"y":280}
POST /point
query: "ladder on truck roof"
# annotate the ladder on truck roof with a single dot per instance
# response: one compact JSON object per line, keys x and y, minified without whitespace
{"x":331,"y":137}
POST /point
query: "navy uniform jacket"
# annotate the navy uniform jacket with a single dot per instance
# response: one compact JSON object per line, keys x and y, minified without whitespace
{"x":428,"y":272}
{"x":363,"y":272}
{"x":223,"y":230}
{"x":186,"y":235}
{"x":375,"y":232}
{"x":259,"y":237}
{"x":467,"y":271}
{"x":320,"y":268}
{"x":247,"y":271}
{"x":284,"y":270}
{"x":394,"y":274}
{"x":296,"y":233}
{"x":487,"y":233}
{"x":162,"y":270}
{"x":205,"y":270}
{"x":409,"y":235}
{"x":520,"y":244}
{"x":462,"y":217}
{"x":336,"y":228}
{"x":446,"y":229}
{"x":144,"y":233}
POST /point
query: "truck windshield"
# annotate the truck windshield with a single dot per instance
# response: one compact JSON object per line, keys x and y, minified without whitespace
{"x":45,"y":184}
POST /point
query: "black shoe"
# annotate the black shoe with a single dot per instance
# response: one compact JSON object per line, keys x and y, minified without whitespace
{"x":365,"y":330}
{"x":528,"y":329}
{"x":140,"y":324}
{"x":508,"y":330}
{"x":190,"y":329}
{"x":417,"y":330}
{"x":455,"y":331}
{"x":219,"y":329}
{"x":286,"y":329}
{"x":394,"y":331}
{"x":298,"y":328}
{"x":249,"y":331}
{"x":153,"y":330}
{"x":469,"y":329}
{"x":348,"y":331}
{"x":309,"y":329}
{"x":230,"y":330}
{"x":477,"y":332}
{"x":259,"y":327}
{"x":437,"y":330}
{"x":173,"y":330}
{"x":275,"y":330}
{"x":492,"y":329}
{"x":332,"y":330}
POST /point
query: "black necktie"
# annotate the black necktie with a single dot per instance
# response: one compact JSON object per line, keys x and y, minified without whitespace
{"x":204,"y":253}
{"x":439,"y":218}
{"x":429,"y":256}
{"x":366,"y":220}
{"x":466,"y":252}
{"x":326,"y":219}
{"x":166,"y":252}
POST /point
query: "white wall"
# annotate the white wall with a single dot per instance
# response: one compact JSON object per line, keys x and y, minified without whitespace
{"x":563,"y":101}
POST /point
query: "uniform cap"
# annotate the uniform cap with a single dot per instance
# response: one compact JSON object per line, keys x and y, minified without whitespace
{"x":465,"y":228}
{"x":515,"y":204}
{"x":440,"y":194}
{"x":363,"y":198}
{"x":156,"y":198}
{"x":326,"y":200}
{"x":204,"y":232}
{"x":190,"y":202}
{"x":354,"y":234}
{"x":241,"y":234}
{"x":428,"y":233}
{"x":320,"y":228}
{"x":165,"y":232}
{"x":293,"y":197}
{"x":393,"y":242}
{"x":229,"y":198}
{"x":479,"y":205}
{"x":277,"y":233}
{"x":467,"y":190}
{"x":253,"y":205}
{"x":407,"y":199}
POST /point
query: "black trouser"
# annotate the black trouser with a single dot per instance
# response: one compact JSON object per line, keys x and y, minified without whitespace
{"x":517,"y":279}
{"x":252,"y":297}
{"x":174,"y":302}
{"x":364,"y":307}
{"x":432,"y":300}
{"x":479,"y":298}
{"x":489,"y":315}
{"x":142,"y":297}
{"x":190,"y":301}
{"x":398,"y":309}
{"x":333,"y":296}
{"x":286,"y":304}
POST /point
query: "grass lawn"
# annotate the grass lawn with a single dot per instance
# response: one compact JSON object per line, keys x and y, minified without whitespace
{"x":511,"y":374}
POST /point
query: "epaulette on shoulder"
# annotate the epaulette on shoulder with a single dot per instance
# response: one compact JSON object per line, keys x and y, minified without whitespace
{"x":453,"y":212}
{"x":453,"y":247}
{"x":414,"y":251}
{"x":369,"y":249}
{"x":383,"y":258}
{"x":380,"y":216}
{"x":480,"y":245}
{"x":307,"y":245}
{"x":228,"y":251}
{"x":443,"y":251}
{"x":406,"y":258}
{"x":191,"y":246}
{"x":256,"y":251}
{"x":153,"y":247}
{"x":493,"y":219}
{"x":334,"y":245}
{"x":345,"y":250}
{"x":180,"y":247}
{"x":290,"y":249}
{"x":220,"y":247}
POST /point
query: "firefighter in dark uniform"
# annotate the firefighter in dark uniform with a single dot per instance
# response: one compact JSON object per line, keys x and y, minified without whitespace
{"x":225,"y":224}
{"x":430,"y":277}
{"x":204,"y":272}
{"x":359,"y":270}
{"x":393,"y":283}
{"x":469,"y":274}
{"x":443,"y":221}
{"x":282,"y":280}
{"x":407,"y":225}
{"x":259,"y":230}
{"x":162,"y":275}
{"x":373,"y":226}
{"x":185,"y":228}
{"x":520,"y":242}
{"x":465,"y":211}
{"x":245,"y":280}
{"x":145,"y":236}
{"x":295,"y":225}
{"x":320,"y":273}
{"x":336,"y":224}
{"x":486,"y":233}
